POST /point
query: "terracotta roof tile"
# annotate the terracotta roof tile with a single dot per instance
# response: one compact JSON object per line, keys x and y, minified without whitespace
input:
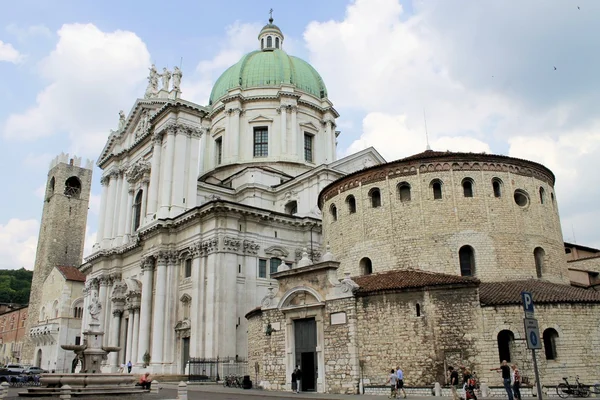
{"x":505,"y":293}
{"x":72,"y":273}
{"x":408,"y":279}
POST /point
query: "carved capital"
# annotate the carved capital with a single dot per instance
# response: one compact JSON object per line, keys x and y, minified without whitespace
{"x":147,"y":264}
{"x":105,"y":180}
{"x":162,"y":257}
{"x":157,"y":138}
{"x":136,"y":171}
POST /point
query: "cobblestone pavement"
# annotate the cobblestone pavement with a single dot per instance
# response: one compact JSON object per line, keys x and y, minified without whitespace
{"x":217,"y":392}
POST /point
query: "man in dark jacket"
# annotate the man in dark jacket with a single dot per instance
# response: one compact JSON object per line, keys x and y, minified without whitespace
{"x":298,"y":379}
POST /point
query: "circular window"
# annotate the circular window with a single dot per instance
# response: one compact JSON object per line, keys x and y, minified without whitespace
{"x":521,"y":198}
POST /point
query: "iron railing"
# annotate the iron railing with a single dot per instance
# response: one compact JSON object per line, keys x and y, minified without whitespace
{"x":215,"y":369}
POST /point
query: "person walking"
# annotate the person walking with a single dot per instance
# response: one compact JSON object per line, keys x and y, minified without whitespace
{"x":400,"y":381}
{"x":298,"y":379}
{"x":453,"y":383}
{"x":393,"y":381}
{"x":505,"y":369}
{"x":294,"y":381}
{"x":129,"y":365}
{"x":516,"y":380}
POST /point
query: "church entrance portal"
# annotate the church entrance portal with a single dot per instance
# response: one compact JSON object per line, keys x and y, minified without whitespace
{"x":305,"y":340}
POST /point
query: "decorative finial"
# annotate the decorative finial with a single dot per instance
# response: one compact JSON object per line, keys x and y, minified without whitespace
{"x":271,"y":16}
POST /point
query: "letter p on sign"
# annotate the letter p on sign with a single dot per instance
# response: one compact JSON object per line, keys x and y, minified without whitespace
{"x":527,"y":304}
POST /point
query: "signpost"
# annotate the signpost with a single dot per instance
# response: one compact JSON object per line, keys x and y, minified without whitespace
{"x":532,"y":334}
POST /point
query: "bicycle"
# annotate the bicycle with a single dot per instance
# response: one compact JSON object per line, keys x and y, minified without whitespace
{"x":564,"y":389}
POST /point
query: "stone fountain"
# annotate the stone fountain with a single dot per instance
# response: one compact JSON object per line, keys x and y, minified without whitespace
{"x":90,"y":381}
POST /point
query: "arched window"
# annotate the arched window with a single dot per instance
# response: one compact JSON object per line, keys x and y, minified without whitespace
{"x":333,"y":211}
{"x":55,"y":309}
{"x":436,"y":186}
{"x":187,"y":268}
{"x":375,"y":196}
{"x":262,"y":43}
{"x":552,"y":197}
{"x":467,"y":185}
{"x":550,"y":335}
{"x":506,"y":341}
{"x":497,"y":186}
{"x":51,"y":185}
{"x":418,"y":307}
{"x":73,"y":187}
{"x":276,"y":42}
{"x":351,"y":201}
{"x":269,"y":42}
{"x":404,"y":191}
{"x":366,"y":266}
{"x":538,"y":255}
{"x":137,"y":210}
{"x":466,"y":256}
{"x":291,"y":208}
{"x":542,"y":195}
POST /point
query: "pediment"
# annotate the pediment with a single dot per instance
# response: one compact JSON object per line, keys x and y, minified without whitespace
{"x":261,"y":118}
{"x":217,"y":131}
{"x":301,"y":298}
{"x":277,"y":251}
{"x":309,"y":126}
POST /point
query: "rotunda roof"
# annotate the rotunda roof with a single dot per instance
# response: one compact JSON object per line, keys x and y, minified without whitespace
{"x":269,"y":69}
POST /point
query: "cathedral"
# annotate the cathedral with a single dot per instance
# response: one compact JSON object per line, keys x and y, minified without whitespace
{"x":231,"y":230}
{"x":202,"y":203}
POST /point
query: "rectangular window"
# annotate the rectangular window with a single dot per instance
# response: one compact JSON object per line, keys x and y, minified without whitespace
{"x":77,"y":340}
{"x":274,"y":263}
{"x":262,"y":268}
{"x":261,"y":141}
{"x":219,"y":150}
{"x":188,"y":268}
{"x":308,"y":147}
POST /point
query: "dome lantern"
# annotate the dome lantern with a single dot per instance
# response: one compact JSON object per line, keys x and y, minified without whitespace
{"x":270,"y":36}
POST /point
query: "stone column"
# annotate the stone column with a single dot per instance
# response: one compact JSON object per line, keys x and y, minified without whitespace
{"x":202,"y":164}
{"x":327,"y":142}
{"x":154,"y":175}
{"x":192,"y":166}
{"x":170,"y":341}
{"x":145,"y":182}
{"x":129,"y":336}
{"x":103,"y":199}
{"x":158,"y":322}
{"x":117,"y":206}
{"x":129,"y":216}
{"x":136,"y":335}
{"x":102,"y":298}
{"x":235,"y":133}
{"x":196,"y":307}
{"x":227,"y":305}
{"x":297,"y":142}
{"x":177,"y":180}
{"x":211,"y":309}
{"x":283,"y":111}
{"x":110,"y":208}
{"x":86,"y":302}
{"x":146,"y":309}
{"x":167,"y":178}
{"x":118,"y":305}
{"x":123,"y":211}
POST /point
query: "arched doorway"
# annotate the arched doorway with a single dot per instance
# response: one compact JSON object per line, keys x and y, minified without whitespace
{"x":38,"y":359}
{"x":506,"y":340}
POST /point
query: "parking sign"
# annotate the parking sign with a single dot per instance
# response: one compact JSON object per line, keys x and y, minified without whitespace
{"x":532,"y":333}
{"x":527,"y":304}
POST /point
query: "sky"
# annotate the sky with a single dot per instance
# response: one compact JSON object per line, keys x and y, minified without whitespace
{"x":496,"y":76}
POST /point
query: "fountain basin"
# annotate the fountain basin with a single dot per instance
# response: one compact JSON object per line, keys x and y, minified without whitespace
{"x":86,"y":380}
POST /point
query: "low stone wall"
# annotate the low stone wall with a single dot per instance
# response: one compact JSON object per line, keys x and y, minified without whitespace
{"x":494,"y":391}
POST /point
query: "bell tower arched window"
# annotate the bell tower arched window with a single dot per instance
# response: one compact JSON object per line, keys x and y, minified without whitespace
{"x":269,"y":42}
{"x":73,"y":187}
{"x":276,"y":42}
{"x":366,"y":266}
{"x":137,"y":210}
{"x":538,"y":255}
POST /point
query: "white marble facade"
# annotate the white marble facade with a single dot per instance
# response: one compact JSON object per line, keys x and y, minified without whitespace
{"x":192,"y":221}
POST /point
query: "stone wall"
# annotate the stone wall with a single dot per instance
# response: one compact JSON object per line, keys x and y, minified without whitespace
{"x":427,"y":234}
{"x":577,"y":347}
{"x":588,"y":264}
{"x":391,"y":334}
{"x":268,"y":350}
{"x":341,"y":348}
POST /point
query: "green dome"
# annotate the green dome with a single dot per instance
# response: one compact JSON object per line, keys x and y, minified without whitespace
{"x":269,"y":69}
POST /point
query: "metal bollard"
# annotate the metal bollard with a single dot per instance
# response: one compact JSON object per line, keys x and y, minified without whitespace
{"x":65,"y":392}
{"x":154,"y":387}
{"x":4,"y":390}
{"x":182,"y":391}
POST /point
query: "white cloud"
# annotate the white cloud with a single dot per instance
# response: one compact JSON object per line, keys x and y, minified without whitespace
{"x":40,"y":191}
{"x":9,"y":53}
{"x":90,"y":240}
{"x":94,"y":205}
{"x":240,"y":39}
{"x":91,"y":75}
{"x":18,"y":243}
{"x":24,"y":33}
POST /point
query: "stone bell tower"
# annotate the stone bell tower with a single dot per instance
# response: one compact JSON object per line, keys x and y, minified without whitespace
{"x":62,"y":230}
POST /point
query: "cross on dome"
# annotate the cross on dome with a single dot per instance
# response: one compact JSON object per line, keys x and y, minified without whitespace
{"x":270,"y":36}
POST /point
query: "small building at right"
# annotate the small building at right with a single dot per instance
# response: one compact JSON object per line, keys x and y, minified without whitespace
{"x":427,"y":258}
